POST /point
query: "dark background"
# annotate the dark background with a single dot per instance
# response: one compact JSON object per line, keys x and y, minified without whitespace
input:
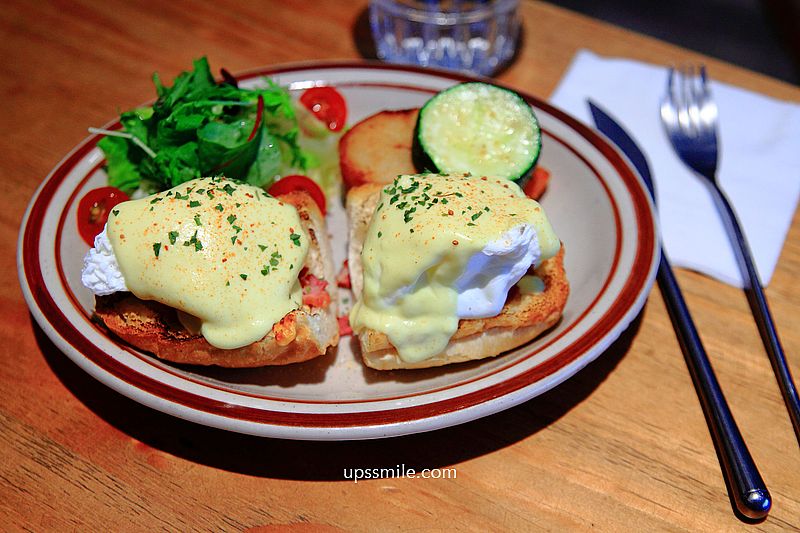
{"x":761,"y":35}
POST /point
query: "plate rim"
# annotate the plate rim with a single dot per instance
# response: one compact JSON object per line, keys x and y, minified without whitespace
{"x":364,"y":424}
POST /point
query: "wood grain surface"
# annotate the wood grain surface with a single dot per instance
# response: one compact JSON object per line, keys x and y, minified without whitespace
{"x":623,"y":446}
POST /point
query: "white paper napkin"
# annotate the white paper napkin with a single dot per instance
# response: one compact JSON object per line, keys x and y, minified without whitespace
{"x":758,"y":168}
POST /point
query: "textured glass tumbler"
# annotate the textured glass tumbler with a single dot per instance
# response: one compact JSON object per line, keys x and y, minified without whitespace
{"x":471,"y":36}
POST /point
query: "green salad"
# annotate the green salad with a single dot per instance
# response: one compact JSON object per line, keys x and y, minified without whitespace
{"x":199,"y":127}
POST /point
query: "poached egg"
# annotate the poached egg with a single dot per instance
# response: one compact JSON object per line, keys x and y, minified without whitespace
{"x":440,"y":248}
{"x":224,"y":254}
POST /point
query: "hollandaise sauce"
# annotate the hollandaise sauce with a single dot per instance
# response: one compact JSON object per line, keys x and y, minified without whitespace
{"x":425,"y":235}
{"x":225,"y":254}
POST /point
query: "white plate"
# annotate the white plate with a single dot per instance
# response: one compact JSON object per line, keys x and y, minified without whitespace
{"x":596,"y":204}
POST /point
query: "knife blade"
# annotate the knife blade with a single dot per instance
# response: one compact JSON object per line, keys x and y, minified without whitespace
{"x":747,"y":488}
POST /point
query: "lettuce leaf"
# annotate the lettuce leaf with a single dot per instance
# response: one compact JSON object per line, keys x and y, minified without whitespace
{"x":268,"y":162}
{"x":122,"y":173}
{"x":225,"y":149}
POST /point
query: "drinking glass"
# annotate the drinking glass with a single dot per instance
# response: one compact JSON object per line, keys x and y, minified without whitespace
{"x":471,"y":36}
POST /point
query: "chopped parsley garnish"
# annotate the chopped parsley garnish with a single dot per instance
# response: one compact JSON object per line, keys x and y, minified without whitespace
{"x":197,"y":220}
{"x":233,"y":239}
{"x":194,"y":203}
{"x":243,"y":276}
{"x":156,"y":200}
{"x":231,"y":219}
{"x":156,"y":248}
{"x":295,"y":239}
{"x":274,"y":261}
{"x":476,"y":216}
{"x":237,"y":228}
{"x":402,"y":198}
{"x":263,"y":247}
{"x":380,"y":234}
{"x":228,"y":188}
{"x":173,"y":236}
{"x":411,"y":188}
{"x":179,"y":196}
{"x":219,"y":207}
{"x":194,"y":241}
{"x":115,"y":211}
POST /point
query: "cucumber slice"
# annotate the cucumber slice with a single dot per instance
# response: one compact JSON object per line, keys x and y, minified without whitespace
{"x":478,"y":128}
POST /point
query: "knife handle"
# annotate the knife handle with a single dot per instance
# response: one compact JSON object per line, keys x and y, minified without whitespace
{"x":748,"y":490}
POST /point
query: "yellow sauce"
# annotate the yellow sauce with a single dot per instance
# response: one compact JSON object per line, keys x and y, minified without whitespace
{"x":530,"y":284}
{"x":421,"y":236}
{"x":226,"y":255}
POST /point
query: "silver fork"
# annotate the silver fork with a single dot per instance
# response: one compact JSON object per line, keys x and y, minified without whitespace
{"x":689,"y":115}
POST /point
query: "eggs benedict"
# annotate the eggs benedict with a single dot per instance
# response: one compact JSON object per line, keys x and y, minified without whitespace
{"x":449,"y":268}
{"x":216,"y":272}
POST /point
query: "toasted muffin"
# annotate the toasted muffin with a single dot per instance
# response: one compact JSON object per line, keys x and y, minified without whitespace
{"x":378,"y":148}
{"x":302,"y":334}
{"x":523,"y":317}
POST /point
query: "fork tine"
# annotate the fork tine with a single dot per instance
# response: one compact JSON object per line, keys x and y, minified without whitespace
{"x":700,"y":85}
{"x":672,"y":86}
{"x":671,"y":83}
{"x":668,"y":103}
{"x":694,"y":99}
{"x":706,"y":83}
{"x":685,"y":99}
{"x":703,"y":79}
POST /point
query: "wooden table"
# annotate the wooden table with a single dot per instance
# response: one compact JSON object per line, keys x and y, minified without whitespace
{"x":621,"y":446}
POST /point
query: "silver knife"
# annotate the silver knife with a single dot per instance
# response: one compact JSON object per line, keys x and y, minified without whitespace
{"x":747,"y":488}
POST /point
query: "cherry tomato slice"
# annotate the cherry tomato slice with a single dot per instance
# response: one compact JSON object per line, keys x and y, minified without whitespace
{"x":297,"y":182}
{"x":538,"y":183}
{"x":327,"y":104}
{"x":93,"y":210}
